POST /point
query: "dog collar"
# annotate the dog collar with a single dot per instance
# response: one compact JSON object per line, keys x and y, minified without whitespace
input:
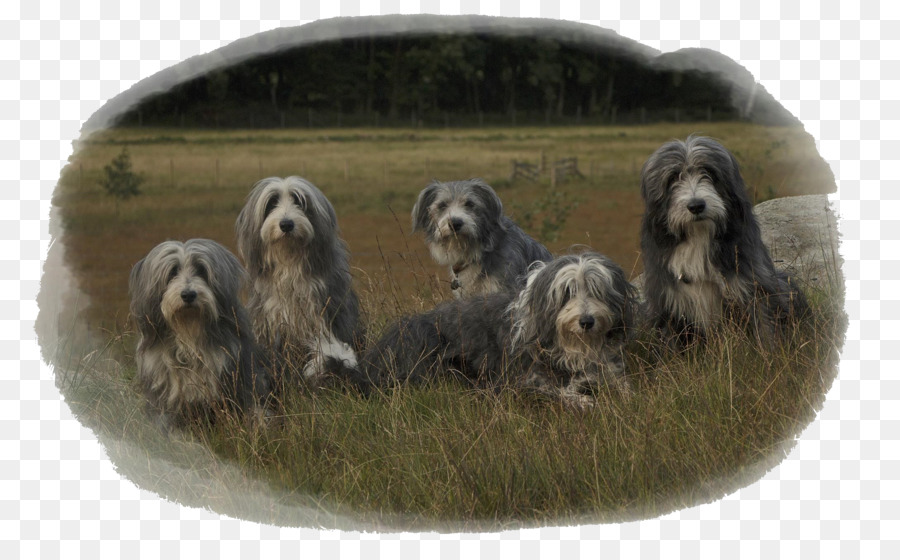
{"x":455,"y":284}
{"x":457,"y":268}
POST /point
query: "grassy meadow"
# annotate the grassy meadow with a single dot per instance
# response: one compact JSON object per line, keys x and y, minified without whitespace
{"x":701,"y":423}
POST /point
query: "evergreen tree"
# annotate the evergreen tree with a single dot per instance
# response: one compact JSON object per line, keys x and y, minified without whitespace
{"x":120,"y":181}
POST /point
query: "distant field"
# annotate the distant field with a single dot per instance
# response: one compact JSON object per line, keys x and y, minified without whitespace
{"x":196,"y":182}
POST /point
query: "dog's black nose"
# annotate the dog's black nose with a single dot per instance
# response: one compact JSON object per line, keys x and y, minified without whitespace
{"x":188,"y":296}
{"x":456,"y":224}
{"x":586,"y":322}
{"x":696,"y":205}
{"x":286,"y":225}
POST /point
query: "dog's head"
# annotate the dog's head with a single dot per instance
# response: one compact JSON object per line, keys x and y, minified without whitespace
{"x":283,"y":219}
{"x":573,"y":303}
{"x":460,"y":219}
{"x":185,"y":287}
{"x":694,"y":183}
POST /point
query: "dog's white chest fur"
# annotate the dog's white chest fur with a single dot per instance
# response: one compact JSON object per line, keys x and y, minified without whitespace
{"x":289,"y":310}
{"x":288,"y":306}
{"x":700,"y":289}
{"x":184,"y":373}
{"x":471,"y":281}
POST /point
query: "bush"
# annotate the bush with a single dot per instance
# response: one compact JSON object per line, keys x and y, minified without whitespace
{"x":120,"y":181}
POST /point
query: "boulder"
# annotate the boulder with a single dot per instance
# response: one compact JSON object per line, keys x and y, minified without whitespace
{"x":802,"y":236}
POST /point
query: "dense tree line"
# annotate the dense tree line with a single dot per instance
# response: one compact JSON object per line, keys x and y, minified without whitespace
{"x":438,"y":80}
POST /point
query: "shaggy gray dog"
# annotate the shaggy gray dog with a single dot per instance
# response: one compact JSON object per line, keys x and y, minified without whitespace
{"x":562,"y":335}
{"x":465,"y":229}
{"x":196,"y":350}
{"x":703,"y":255}
{"x":302,"y":302}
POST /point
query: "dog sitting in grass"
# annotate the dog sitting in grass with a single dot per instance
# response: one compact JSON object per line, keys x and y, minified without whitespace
{"x":562,"y":335}
{"x":703,"y":255}
{"x":302,"y":302}
{"x":196,"y":353}
{"x":466,"y":230}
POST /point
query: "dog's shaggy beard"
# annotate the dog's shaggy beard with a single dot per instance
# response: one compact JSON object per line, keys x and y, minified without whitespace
{"x":451,"y":246}
{"x":703,"y":290}
{"x":193,"y":361}
{"x":286,"y":248}
{"x":565,"y":317}
{"x":288,"y":287}
{"x":576,"y":348}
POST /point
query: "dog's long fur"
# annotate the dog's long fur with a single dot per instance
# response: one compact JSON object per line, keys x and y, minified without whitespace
{"x":703,"y":255}
{"x":196,"y":350}
{"x":466,"y":230}
{"x":302,"y":301}
{"x":563,"y":334}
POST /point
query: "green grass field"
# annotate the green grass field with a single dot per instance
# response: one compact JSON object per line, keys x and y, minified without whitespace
{"x":700,"y":424}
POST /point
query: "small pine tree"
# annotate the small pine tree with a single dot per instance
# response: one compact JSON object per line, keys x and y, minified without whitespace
{"x":120,"y":181}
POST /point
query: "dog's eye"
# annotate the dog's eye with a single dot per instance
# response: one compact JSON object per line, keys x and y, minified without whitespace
{"x":173,"y":272}
{"x":567,"y":294}
{"x":202,"y":272}
{"x":271,"y":204}
{"x":469,"y":204}
{"x":299,"y":201}
{"x":441,"y":206}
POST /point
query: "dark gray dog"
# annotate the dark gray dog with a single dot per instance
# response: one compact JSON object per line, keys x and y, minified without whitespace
{"x":700,"y":243}
{"x":465,"y":229}
{"x":563,"y":334}
{"x":302,"y":302}
{"x":196,"y":349}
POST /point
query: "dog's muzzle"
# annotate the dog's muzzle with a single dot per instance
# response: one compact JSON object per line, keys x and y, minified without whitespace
{"x":286,"y":225}
{"x":456,"y":224}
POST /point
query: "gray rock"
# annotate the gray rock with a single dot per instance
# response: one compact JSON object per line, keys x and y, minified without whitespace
{"x":802,"y":236}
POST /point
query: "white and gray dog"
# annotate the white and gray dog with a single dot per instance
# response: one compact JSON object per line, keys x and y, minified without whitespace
{"x":302,"y":302}
{"x":562,"y":335}
{"x":196,"y":353}
{"x":465,"y":229}
{"x":701,"y":246}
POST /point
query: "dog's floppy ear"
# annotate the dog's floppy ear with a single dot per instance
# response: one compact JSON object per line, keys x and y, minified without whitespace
{"x":135,"y":275}
{"x":141,"y":306}
{"x":493,"y":207}
{"x":493,"y":227}
{"x":420,"y":215}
